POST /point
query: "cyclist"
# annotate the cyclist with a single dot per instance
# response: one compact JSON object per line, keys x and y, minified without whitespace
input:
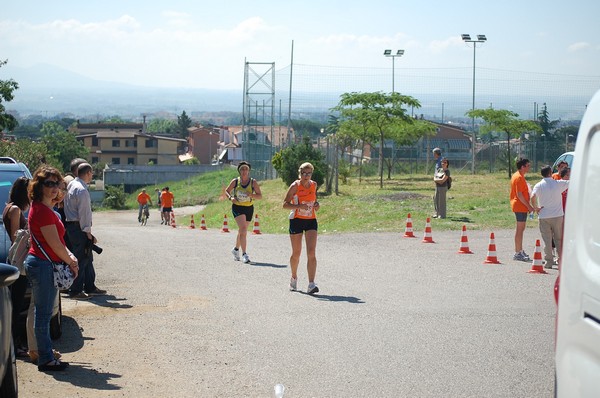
{"x":143,"y":199}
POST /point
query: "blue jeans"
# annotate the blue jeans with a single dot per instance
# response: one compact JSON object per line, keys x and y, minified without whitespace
{"x":86,"y":279}
{"x":39,"y":272}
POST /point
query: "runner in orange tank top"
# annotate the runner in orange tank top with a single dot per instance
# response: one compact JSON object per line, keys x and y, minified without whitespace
{"x":301,"y":199}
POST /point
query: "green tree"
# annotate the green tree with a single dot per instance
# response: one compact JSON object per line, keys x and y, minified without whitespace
{"x":62,"y":145}
{"x":544,"y":121}
{"x":183,"y":122}
{"x":379,"y":112}
{"x":164,"y":126}
{"x":502,"y":120}
{"x":288,"y":160}
{"x":33,"y":154}
{"x":7,"y":87}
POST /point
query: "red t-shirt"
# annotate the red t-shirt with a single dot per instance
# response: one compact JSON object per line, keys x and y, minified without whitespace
{"x":40,"y":216}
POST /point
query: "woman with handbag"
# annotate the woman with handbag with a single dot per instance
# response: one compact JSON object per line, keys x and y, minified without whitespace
{"x":47,"y":247}
{"x":14,"y":220}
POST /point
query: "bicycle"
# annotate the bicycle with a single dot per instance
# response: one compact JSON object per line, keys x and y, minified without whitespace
{"x":145,"y":214}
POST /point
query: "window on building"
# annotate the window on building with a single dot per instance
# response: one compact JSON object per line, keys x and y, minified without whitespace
{"x":130,"y":160}
{"x":150,"y":143}
{"x":153,"y":160}
{"x":116,"y":143}
{"x":94,"y":141}
{"x":94,"y":159}
{"x":116,"y":160}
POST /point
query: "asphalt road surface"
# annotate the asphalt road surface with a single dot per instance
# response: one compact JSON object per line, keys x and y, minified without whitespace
{"x":395,"y":317}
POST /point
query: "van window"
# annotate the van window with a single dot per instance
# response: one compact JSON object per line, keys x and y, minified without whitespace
{"x":591,"y":199}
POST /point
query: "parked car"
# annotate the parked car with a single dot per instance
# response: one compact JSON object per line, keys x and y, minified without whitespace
{"x":8,"y":367}
{"x":565,"y":157}
{"x":10,"y":170}
{"x":577,"y":288}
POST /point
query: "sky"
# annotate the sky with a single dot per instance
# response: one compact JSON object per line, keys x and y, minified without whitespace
{"x":202,"y":44}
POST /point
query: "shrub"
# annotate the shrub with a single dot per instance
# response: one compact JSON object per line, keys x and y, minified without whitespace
{"x":114,"y":197}
{"x":287,"y":161}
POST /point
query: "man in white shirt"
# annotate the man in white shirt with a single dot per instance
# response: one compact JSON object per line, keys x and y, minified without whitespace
{"x":78,"y":213}
{"x":546,"y":198}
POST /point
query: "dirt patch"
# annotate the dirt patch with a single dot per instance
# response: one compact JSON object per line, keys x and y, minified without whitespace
{"x":395,"y":197}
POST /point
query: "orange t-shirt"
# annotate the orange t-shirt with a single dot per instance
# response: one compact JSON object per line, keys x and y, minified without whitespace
{"x":556,"y":176}
{"x":167,"y":199}
{"x":518,"y":184}
{"x":143,"y":198}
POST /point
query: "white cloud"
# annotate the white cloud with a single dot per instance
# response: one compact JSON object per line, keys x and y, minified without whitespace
{"x":582,"y":45}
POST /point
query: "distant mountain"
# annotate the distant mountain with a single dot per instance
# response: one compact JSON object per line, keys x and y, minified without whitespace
{"x":49,"y":89}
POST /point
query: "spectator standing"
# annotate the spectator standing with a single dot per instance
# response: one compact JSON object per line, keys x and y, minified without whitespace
{"x":13,"y":218}
{"x":78,"y":213}
{"x":143,"y":199}
{"x":441,"y":178}
{"x":437,"y":157}
{"x":242,"y":191}
{"x":70,"y":176}
{"x":167,"y":200}
{"x":519,"y":203}
{"x":47,"y":229}
{"x":301,"y":199}
{"x":546,"y":198}
{"x":565,"y":174}
{"x":158,"y":192}
{"x":559,"y":167}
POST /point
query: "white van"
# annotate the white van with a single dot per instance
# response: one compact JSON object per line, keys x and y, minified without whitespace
{"x":578,"y":317}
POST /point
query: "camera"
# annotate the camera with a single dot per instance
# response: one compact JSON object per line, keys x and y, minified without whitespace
{"x":97,"y":249}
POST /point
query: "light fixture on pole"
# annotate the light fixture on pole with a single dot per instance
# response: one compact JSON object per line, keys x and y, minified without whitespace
{"x":467,"y":39}
{"x":388,"y":53}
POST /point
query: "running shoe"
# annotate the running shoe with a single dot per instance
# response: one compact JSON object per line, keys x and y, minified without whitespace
{"x":312,"y":288}
{"x":293,"y":284}
{"x":245,"y":258}
{"x":520,"y":256}
{"x":236,"y":254}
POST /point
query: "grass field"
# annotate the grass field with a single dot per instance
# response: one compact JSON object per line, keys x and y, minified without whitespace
{"x":477,"y":201}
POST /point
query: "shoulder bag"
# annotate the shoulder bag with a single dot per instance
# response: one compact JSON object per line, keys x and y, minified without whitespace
{"x":19,"y":249}
{"x":63,"y":277}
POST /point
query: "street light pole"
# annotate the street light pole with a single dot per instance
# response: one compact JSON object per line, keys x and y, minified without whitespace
{"x":388,"y":53}
{"x":467,"y":39}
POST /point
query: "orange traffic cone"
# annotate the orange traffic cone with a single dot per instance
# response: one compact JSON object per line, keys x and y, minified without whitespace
{"x":491,"y":254}
{"x":428,"y":238}
{"x":173,"y":220}
{"x":256,"y":229}
{"x":408,"y":231}
{"x":225,"y":226}
{"x":192,"y":225}
{"x":464,"y":242}
{"x":203,"y":223}
{"x":537,"y":267}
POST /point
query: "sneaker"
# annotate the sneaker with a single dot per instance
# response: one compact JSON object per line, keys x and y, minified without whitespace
{"x":80,"y":296}
{"x":527,"y":258}
{"x":293,"y":284}
{"x":245,"y":258}
{"x":521,"y":257}
{"x":236,"y":254}
{"x":53,"y":366}
{"x":97,"y":292}
{"x":312,"y":288}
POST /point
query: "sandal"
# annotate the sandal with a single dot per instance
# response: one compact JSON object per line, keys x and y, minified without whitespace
{"x":53,"y":366}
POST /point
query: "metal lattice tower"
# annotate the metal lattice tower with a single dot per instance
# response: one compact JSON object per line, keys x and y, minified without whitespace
{"x":259,"y":116}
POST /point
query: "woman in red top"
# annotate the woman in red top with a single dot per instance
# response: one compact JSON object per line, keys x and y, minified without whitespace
{"x":301,"y":199}
{"x":45,"y":225}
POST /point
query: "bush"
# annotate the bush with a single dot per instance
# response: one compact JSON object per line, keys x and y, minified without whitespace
{"x":114,"y":197}
{"x":287,"y":161}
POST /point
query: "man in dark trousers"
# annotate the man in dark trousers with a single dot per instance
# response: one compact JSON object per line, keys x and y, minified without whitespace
{"x":78,"y":213}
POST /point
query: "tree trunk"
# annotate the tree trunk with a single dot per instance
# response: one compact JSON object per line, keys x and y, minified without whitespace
{"x":509,"y":159}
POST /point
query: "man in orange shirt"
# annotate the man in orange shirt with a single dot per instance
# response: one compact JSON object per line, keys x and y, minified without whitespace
{"x":167,"y":199}
{"x":559,"y":167}
{"x":143,"y":198}
{"x":520,"y":205}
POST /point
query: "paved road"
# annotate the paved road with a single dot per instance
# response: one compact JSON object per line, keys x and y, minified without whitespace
{"x":395,"y":317}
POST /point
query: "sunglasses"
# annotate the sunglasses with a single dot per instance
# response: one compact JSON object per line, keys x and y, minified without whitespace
{"x":306,"y":174}
{"x":50,"y":184}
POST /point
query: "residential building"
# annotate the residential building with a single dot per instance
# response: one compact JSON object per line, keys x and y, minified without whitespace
{"x":128,"y":143}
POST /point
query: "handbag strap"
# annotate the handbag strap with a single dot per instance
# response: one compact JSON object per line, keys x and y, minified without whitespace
{"x":41,"y":248}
